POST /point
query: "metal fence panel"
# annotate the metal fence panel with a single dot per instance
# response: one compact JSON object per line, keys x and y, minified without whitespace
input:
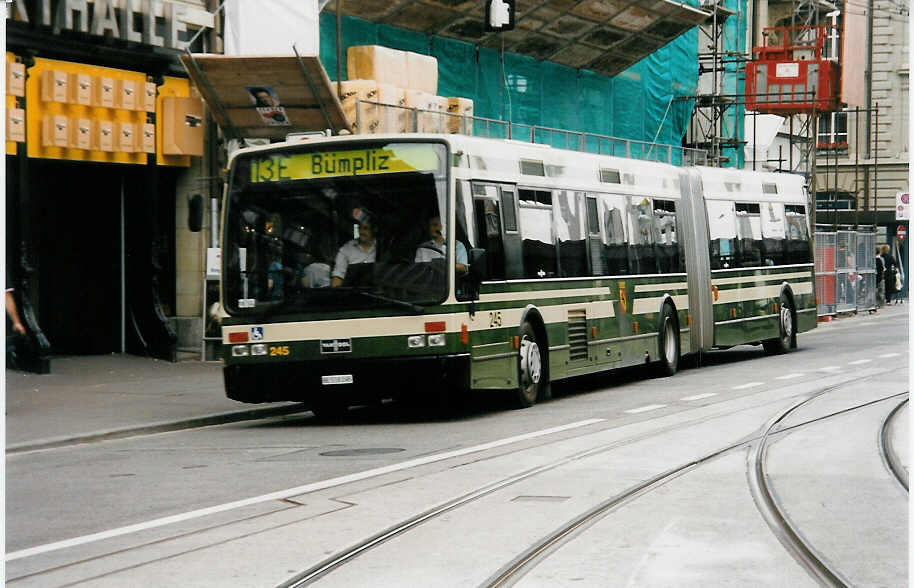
{"x":846,"y":251}
{"x":866,"y":251}
{"x":866,"y":290}
{"x":825,"y":273}
{"x":846,"y":291}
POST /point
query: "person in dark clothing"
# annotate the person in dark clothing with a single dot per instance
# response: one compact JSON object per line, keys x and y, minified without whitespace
{"x":889,"y":273}
{"x":880,"y":279}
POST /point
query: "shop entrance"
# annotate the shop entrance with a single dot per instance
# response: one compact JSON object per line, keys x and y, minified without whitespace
{"x":77,"y":220}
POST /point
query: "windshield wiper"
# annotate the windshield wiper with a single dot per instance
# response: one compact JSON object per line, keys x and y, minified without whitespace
{"x":413,"y":307}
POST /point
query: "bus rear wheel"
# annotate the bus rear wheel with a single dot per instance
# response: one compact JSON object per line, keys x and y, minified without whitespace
{"x":668,"y":343}
{"x":531,"y":373}
{"x":784,"y":341}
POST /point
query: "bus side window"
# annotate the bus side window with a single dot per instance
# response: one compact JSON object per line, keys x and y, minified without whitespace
{"x":749,"y":234}
{"x":569,"y":230}
{"x":666,"y":238}
{"x":536,"y":230}
{"x":797,"y":234}
{"x":774,"y":233}
{"x":641,"y":257}
{"x":488,"y":228}
{"x":722,"y":232}
{"x":597,"y":265}
{"x":615,"y":243}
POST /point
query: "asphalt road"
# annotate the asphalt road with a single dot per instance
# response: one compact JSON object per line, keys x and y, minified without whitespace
{"x":256,"y":503}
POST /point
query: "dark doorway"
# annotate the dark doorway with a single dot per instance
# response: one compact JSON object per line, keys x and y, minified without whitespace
{"x":77,"y":232}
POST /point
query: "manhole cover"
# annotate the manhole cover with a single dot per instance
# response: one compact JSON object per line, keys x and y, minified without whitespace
{"x":365,"y":451}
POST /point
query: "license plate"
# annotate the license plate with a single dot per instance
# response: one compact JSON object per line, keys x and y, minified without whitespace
{"x":337,"y":379}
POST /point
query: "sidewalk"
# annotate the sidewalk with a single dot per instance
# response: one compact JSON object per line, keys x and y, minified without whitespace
{"x":106,"y":396}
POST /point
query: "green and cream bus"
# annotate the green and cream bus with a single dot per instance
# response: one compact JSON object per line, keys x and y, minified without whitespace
{"x":357,"y":268}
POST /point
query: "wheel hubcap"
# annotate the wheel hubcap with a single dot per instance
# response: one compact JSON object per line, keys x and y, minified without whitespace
{"x":669,"y":343}
{"x":786,"y":321}
{"x":530,"y":365}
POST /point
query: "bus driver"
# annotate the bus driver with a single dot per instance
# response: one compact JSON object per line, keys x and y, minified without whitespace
{"x":361,"y":250}
{"x":434,"y":247}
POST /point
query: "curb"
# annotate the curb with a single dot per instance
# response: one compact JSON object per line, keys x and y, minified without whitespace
{"x":160,"y":427}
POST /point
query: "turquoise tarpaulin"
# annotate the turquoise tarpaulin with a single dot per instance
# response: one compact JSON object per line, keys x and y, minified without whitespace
{"x":639,"y":104}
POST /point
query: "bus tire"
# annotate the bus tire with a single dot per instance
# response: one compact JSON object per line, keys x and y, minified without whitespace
{"x":532,"y":378}
{"x":668,"y":343}
{"x":785,"y":339}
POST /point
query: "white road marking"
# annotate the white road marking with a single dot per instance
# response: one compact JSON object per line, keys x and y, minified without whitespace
{"x":859,"y":361}
{"x":748,"y":385}
{"x":282,"y":494}
{"x":830,"y":368}
{"x":789,"y":377}
{"x":890,"y":355}
{"x":646,"y":408}
{"x":699,"y":396}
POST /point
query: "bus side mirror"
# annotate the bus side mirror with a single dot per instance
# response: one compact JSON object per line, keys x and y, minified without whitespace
{"x":195,"y":213}
{"x":478,"y":265}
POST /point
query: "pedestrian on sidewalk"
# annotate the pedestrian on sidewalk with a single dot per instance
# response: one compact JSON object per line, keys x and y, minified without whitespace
{"x":15,"y":330}
{"x":890,"y":272}
{"x":880,"y":279}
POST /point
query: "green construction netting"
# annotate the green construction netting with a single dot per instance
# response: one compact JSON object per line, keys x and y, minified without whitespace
{"x":734,"y":39}
{"x":643,"y":103}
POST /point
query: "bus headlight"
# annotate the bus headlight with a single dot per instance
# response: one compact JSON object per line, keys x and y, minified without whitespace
{"x":240,"y":351}
{"x":259,"y":349}
{"x":436,"y":340}
{"x":416,"y":341}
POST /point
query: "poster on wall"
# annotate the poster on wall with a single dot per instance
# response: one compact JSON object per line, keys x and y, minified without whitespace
{"x":268,"y":106}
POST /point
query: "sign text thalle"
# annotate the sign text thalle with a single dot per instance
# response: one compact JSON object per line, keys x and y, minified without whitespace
{"x":138,"y":21}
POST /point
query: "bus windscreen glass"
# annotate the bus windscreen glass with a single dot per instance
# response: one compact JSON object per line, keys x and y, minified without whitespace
{"x":327,"y":228}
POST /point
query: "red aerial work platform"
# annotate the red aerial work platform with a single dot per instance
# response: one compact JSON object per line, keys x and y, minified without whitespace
{"x":789,"y":75}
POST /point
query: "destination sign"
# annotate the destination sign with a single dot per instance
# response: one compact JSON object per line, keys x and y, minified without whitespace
{"x":280,"y":167}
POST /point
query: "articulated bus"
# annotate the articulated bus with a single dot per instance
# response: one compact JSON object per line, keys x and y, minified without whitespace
{"x":356,"y":268}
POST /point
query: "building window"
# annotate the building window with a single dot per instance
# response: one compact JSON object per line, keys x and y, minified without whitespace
{"x":833,"y":131}
{"x":832,"y":47}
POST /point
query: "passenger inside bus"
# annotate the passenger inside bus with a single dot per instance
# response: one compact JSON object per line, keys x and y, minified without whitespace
{"x":434,"y":248}
{"x":354,"y":252}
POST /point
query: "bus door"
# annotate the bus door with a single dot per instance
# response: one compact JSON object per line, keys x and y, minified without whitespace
{"x":495,"y":215}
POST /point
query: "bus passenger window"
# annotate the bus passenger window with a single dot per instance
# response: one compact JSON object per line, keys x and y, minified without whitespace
{"x":667,"y":245}
{"x":569,"y":226}
{"x":488,"y":227}
{"x":722,"y":233}
{"x":748,"y":234}
{"x":774,"y":233}
{"x":615,"y":244}
{"x":594,"y":244}
{"x":538,"y":245}
{"x":641,"y":258}
{"x":797,"y":234}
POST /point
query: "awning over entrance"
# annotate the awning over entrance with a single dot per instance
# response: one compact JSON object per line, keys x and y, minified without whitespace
{"x":266,"y":97}
{"x":604,"y":36}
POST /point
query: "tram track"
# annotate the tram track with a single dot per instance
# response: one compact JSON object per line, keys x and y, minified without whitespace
{"x":774,"y":515}
{"x":541,"y":550}
{"x":887,"y":449}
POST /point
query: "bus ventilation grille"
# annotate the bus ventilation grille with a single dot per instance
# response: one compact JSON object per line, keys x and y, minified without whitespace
{"x":577,"y":334}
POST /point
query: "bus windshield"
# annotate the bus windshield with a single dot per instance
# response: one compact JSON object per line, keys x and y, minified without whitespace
{"x":317,"y":228}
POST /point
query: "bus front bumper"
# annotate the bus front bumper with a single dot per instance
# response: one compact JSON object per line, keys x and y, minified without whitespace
{"x":349,"y":380}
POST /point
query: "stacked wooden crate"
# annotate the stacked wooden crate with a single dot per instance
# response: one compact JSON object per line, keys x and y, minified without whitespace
{"x":389,"y":84}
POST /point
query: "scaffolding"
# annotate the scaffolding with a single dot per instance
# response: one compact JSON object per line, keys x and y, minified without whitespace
{"x":718,"y":113}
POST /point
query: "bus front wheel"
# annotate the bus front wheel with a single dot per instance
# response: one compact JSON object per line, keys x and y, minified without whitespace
{"x":531,"y":374}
